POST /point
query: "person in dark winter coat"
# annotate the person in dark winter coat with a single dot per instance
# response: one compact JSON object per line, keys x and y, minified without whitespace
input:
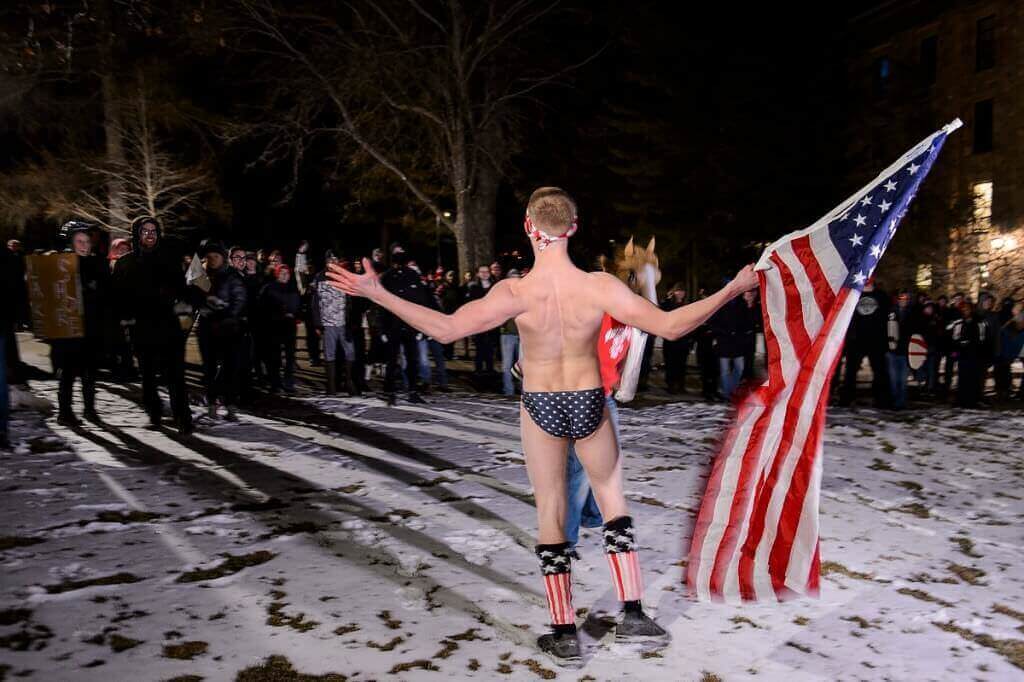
{"x":78,"y":357}
{"x":485,"y":341}
{"x":280,"y":306}
{"x":221,"y":320}
{"x":965,"y":333}
{"x":988,"y":338}
{"x":9,"y":304}
{"x":867,"y":336}
{"x":732,"y":330}
{"x":752,"y":307}
{"x":949,"y":314}
{"x":403,"y":282}
{"x":675,"y":352}
{"x":147,"y":284}
{"x":930,"y":326}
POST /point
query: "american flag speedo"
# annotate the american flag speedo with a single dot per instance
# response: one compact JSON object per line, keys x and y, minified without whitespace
{"x":756,"y":536}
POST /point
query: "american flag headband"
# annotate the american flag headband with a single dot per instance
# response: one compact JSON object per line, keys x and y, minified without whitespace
{"x":542,"y":238}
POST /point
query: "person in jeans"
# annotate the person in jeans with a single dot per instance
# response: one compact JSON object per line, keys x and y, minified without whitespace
{"x":509,"y":348}
{"x":331,"y":319}
{"x":732,"y":328}
{"x":899,"y":341}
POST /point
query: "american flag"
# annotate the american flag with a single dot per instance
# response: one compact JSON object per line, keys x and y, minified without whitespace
{"x":756,"y":536}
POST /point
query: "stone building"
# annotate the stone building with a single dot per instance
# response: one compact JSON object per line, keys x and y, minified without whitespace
{"x":914,"y":65}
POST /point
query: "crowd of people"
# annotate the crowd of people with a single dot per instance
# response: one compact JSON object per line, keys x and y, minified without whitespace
{"x":141,"y":300}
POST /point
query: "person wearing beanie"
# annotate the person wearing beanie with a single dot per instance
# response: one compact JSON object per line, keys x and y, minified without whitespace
{"x":221,"y":320}
{"x":148,"y":282}
{"x":77,"y":357}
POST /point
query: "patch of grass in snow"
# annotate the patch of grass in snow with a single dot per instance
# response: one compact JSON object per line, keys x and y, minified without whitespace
{"x":537,"y":669}
{"x":928,"y":578}
{"x":861,"y":622}
{"x":706,"y":676}
{"x":420,"y":664}
{"x":276,"y":617}
{"x":968,"y":574}
{"x":70,"y":585}
{"x":911,"y":486}
{"x":741,"y":620}
{"x":801,"y":620}
{"x":342,"y":630}
{"x":830,"y":567}
{"x":232,"y":564}
{"x":392,"y":623}
{"x":387,"y":646}
{"x":914,"y":509}
{"x":1007,"y":611}
{"x":1010,"y":649}
{"x":966,"y":546}
{"x":923,"y":596}
{"x":879,"y":465}
{"x":186,"y":678}
{"x":887,"y":447}
{"x":119,"y":643}
{"x":279,"y":669}
{"x":185,"y":651}
{"x":799,"y":647}
{"x":12,"y":541}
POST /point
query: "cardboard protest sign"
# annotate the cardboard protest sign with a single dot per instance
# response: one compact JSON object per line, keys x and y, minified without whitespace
{"x":55,"y":295}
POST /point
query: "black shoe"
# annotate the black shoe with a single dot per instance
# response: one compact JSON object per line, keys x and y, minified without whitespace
{"x":563,"y":649}
{"x":639,"y":627}
{"x":392,"y":400}
{"x":90,"y":415}
{"x":444,"y":389}
{"x":186,"y":427}
{"x":68,"y":419}
{"x":5,"y":444}
{"x":416,"y":399}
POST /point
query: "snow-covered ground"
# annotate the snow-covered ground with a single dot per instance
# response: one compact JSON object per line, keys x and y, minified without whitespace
{"x":342,"y":536}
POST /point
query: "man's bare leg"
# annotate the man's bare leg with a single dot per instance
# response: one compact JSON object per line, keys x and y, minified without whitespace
{"x":545,"y":465}
{"x":600,"y":456}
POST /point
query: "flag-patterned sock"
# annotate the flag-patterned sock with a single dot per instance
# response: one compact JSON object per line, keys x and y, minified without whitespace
{"x":556,"y":567}
{"x":621,"y":548}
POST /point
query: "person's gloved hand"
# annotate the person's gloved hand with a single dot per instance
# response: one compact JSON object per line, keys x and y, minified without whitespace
{"x":419,"y":336}
{"x":216,"y":303}
{"x":384,"y":338}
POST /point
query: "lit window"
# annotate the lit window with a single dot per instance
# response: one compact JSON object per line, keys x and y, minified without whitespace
{"x":983,"y":204}
{"x":924,"y":277}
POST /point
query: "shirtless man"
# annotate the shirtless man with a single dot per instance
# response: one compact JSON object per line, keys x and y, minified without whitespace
{"x":558,"y":310}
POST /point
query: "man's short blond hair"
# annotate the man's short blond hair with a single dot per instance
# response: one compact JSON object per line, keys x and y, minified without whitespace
{"x":551,"y":210}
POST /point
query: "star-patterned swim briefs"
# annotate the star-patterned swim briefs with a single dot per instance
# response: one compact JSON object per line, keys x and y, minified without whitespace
{"x":566,"y":414}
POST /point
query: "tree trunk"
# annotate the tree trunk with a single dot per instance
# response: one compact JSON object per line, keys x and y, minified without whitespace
{"x":475,"y":221}
{"x":113,"y":125}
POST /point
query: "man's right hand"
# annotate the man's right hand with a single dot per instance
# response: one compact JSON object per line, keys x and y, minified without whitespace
{"x":366,"y":285}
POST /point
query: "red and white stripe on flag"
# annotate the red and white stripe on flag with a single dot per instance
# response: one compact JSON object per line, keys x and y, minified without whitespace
{"x":756,"y":536}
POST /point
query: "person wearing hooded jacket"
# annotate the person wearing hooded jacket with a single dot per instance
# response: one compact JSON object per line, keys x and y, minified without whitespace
{"x":405,"y":283}
{"x":221,"y":320}
{"x":148,"y":282}
{"x":78,"y":357}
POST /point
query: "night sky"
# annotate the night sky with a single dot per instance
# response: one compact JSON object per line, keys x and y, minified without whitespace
{"x":713,"y":130}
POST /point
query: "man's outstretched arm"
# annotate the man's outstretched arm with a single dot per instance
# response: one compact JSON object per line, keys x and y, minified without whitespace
{"x":475,"y":317}
{"x":621,"y":303}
